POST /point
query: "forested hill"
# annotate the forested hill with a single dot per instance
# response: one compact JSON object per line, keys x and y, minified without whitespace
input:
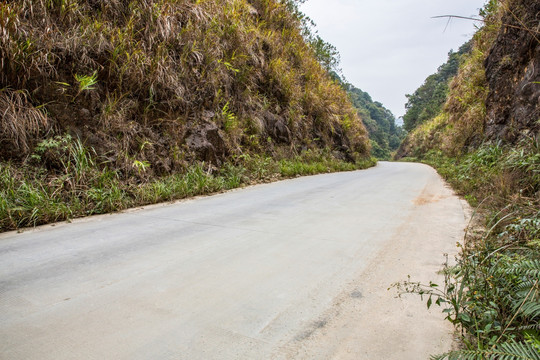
{"x":110,"y":104}
{"x":384,"y":134}
{"x":427,"y":101}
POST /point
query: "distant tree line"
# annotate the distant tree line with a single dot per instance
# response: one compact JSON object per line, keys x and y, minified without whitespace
{"x":384,"y":134}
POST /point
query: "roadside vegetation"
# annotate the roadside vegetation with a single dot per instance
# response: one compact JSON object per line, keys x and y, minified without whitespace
{"x":82,"y":184}
{"x":492,"y":291}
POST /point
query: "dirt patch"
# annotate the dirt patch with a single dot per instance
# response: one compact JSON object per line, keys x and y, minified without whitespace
{"x":429,"y":195}
{"x":426,"y":199}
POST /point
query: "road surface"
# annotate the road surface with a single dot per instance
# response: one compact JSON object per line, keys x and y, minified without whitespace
{"x":298,"y":269}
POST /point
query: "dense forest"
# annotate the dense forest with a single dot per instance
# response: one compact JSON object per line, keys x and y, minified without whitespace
{"x":483,"y":137}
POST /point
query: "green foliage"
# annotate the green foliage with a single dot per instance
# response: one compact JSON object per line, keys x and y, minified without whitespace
{"x":310,"y":163}
{"x":325,"y":53}
{"x":384,"y":134}
{"x":506,"y":351}
{"x":427,"y":101}
{"x":86,"y":82}
{"x":63,"y":180}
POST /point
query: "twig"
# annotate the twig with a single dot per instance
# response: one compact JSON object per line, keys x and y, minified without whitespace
{"x":458,"y":17}
{"x":484,"y":21}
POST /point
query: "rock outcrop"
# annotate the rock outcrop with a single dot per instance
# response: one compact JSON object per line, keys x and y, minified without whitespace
{"x":513,"y":75}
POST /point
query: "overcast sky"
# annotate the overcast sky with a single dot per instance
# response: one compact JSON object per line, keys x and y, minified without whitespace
{"x":389,"y":47}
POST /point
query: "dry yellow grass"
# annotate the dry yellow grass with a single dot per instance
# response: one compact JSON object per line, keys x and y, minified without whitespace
{"x":163,"y":68}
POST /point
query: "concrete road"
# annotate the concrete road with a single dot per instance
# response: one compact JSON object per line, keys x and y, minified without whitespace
{"x":293,"y":269}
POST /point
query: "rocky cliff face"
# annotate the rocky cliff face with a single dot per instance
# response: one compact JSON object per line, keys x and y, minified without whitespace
{"x":513,"y":75}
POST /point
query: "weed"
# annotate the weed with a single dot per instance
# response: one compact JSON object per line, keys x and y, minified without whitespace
{"x":86,"y":82}
{"x":20,"y":120}
{"x":141,"y":166}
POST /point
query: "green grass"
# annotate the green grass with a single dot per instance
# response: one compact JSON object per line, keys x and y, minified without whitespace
{"x":294,"y":167}
{"x":80,"y":185}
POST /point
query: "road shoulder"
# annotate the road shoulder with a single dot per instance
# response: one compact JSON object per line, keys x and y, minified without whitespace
{"x":405,"y":329}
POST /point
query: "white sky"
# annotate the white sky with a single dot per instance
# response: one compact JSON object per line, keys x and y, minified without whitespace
{"x":389,"y":47}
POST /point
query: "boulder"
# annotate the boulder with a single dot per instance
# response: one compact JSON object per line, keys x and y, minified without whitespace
{"x":206,"y":142}
{"x":276,"y":127}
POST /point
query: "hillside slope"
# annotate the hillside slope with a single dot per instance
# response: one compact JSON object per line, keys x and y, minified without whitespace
{"x":141,"y":90}
{"x":208,"y":75}
{"x":495,"y":94}
{"x":427,"y":101}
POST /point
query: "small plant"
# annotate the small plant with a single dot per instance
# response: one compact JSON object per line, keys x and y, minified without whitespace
{"x":141,"y":166}
{"x":86,"y":82}
{"x":234,"y":176}
{"x":229,"y":66}
{"x":230,"y":122}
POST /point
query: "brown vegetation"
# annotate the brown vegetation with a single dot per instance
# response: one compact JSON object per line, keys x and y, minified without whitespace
{"x":167,"y":82}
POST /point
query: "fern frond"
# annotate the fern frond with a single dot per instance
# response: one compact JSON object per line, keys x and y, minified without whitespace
{"x":531,"y":310}
{"x":524,"y":286}
{"x":526,"y":267}
{"x":505,"y":351}
{"x":439,"y":357}
{"x":517,"y":350}
{"x":529,"y":327}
